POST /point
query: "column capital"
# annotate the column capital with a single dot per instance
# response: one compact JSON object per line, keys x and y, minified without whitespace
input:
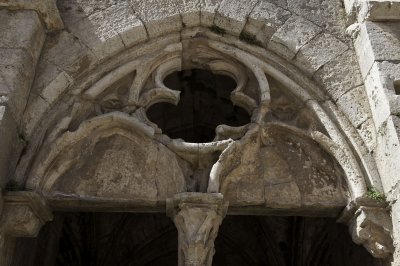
{"x":371,"y":227}
{"x":24,"y":214}
{"x":197,"y":217}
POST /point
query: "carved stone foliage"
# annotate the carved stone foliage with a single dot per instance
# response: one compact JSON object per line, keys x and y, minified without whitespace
{"x":197,"y":217}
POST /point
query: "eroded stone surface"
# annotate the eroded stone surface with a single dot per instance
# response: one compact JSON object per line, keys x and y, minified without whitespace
{"x":293,"y":35}
{"x":231,"y":15}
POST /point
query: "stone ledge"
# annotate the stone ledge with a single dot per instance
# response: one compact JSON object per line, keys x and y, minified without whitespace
{"x":46,"y":9}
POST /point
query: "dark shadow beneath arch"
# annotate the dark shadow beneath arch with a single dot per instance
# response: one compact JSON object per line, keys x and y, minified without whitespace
{"x":110,"y":239}
{"x":204,"y":104}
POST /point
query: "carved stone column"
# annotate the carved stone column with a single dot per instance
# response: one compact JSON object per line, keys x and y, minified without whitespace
{"x":197,"y":216}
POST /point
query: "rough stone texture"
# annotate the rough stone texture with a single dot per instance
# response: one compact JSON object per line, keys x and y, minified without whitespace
{"x":19,"y":55}
{"x":340,"y":75}
{"x":327,"y":14}
{"x":379,"y":10}
{"x":368,"y":134}
{"x":159,"y":17}
{"x":265,"y":19}
{"x":293,"y":35}
{"x":292,"y":158}
{"x":387,"y":152}
{"x":353,"y":105}
{"x":190,"y":11}
{"x":58,"y":49}
{"x":113,"y":171}
{"x":208,"y":10}
{"x":97,"y":32}
{"x":46,"y":9}
{"x":232,"y":15}
{"x":309,"y":56}
{"x":377,"y":42}
{"x":372,"y":228}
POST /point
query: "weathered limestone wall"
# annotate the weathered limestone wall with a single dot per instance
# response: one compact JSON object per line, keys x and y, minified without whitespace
{"x":376,"y":34}
{"x":308,"y":37}
{"x":22,"y":37}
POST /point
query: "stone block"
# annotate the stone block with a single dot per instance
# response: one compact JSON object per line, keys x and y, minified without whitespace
{"x":68,"y":53}
{"x":328,"y":14}
{"x":56,"y":88}
{"x":377,"y":42}
{"x":368,"y":134}
{"x":355,"y":105}
{"x":318,"y":52}
{"x":123,"y":20}
{"x":232,"y":15}
{"x":293,"y":35}
{"x":339,"y":75}
{"x":390,"y":78}
{"x":21,"y":29}
{"x":377,"y":95}
{"x":387,"y":152}
{"x":190,"y":11}
{"x":16,"y":73}
{"x":379,"y":10}
{"x":98,"y":33}
{"x":159,"y":17}
{"x":208,"y":10}
{"x":285,"y":195}
{"x":35,"y":110}
{"x":265,"y":19}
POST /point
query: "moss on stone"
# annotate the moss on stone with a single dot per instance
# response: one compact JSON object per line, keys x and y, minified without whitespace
{"x":376,"y":195}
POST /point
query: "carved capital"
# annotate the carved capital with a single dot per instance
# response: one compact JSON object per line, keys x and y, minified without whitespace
{"x":23,"y":215}
{"x":370,"y":227}
{"x":197,"y":217}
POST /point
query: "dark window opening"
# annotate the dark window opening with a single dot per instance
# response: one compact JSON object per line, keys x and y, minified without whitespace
{"x":204,"y":104}
{"x":110,"y":239}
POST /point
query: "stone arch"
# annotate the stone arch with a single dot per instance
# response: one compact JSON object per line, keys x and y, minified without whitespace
{"x":93,"y":64}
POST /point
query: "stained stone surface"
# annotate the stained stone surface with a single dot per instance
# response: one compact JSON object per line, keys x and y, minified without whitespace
{"x":78,"y":81}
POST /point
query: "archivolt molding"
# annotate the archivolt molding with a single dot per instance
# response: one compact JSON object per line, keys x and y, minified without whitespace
{"x":137,"y":84}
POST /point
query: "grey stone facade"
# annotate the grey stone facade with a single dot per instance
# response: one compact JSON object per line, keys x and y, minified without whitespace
{"x":87,"y":87}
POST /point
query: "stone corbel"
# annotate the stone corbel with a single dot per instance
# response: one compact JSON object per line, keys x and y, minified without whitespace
{"x":371,"y":227}
{"x":23,"y":215}
{"x":47,"y":10}
{"x":197,"y":217}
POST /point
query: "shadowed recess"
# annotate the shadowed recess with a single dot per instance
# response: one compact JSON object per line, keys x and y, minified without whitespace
{"x":204,"y":104}
{"x":110,"y":239}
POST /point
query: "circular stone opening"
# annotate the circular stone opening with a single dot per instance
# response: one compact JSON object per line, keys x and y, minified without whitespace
{"x":204,"y":104}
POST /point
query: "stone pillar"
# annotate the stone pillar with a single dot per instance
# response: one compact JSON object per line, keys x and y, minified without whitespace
{"x":197,"y":216}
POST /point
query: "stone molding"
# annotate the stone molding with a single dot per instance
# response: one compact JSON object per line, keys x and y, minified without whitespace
{"x":46,"y":9}
{"x":197,"y":217}
{"x":24,"y":213}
